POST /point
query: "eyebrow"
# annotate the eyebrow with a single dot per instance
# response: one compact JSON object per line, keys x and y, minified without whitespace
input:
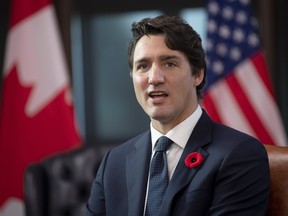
{"x":162,"y":58}
{"x":141,"y":60}
{"x":168,"y":57}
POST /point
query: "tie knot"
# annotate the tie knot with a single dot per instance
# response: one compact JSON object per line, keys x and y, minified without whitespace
{"x":163,"y":144}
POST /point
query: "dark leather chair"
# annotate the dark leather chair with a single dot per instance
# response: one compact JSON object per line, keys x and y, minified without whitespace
{"x":60,"y":184}
{"x":278,"y":161}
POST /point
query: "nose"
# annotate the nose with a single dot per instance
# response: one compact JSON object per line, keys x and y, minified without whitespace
{"x":156,"y":75}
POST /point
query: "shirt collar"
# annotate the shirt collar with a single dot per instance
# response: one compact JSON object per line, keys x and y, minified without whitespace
{"x":181,"y":132}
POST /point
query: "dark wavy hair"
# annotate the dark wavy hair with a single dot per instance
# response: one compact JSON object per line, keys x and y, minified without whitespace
{"x":179,"y":35}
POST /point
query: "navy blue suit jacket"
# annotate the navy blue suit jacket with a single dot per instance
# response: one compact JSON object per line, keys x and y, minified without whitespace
{"x":232,"y":180}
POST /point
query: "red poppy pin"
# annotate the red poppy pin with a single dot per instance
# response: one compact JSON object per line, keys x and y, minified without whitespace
{"x":194,"y":159}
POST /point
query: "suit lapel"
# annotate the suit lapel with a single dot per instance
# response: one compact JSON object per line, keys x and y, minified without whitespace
{"x":137,"y":168}
{"x":183,"y":175}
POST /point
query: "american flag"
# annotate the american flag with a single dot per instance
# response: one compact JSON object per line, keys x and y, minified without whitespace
{"x":239,"y":92}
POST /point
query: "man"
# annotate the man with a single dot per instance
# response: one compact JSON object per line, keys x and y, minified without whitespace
{"x":213,"y":169}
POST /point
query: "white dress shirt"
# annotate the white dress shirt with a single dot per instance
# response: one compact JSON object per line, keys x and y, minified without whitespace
{"x":179,"y":135}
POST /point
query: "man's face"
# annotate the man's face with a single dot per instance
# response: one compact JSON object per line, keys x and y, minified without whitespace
{"x":163,"y":82}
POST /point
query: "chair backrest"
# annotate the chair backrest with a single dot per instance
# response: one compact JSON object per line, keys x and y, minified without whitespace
{"x":60,"y":184}
{"x":278,"y":161}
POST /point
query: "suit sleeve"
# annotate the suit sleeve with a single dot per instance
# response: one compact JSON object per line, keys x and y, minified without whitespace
{"x":96,"y":202}
{"x":243,"y":181}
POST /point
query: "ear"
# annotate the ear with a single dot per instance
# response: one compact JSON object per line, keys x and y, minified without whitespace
{"x":198,"y":77}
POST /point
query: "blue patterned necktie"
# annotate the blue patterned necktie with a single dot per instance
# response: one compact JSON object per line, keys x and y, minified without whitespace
{"x":159,"y":178}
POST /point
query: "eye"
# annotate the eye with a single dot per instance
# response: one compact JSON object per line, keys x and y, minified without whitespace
{"x":170,"y":64}
{"x":141,"y":66}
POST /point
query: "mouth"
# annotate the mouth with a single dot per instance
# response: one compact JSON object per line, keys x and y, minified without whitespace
{"x":157,"y":94}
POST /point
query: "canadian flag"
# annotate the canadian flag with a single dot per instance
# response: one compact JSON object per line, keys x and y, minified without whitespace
{"x":36,"y":113}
